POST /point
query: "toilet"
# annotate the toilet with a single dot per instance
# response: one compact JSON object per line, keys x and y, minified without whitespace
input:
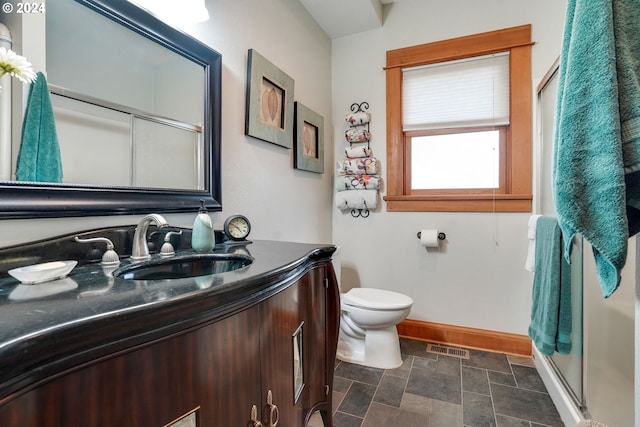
{"x":368,"y":334}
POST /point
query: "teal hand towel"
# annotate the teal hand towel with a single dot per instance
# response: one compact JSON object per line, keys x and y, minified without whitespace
{"x":550,"y":327}
{"x":39,"y":156}
{"x":596,"y":182}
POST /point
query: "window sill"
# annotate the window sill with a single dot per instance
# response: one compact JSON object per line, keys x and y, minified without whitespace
{"x":460,"y":203}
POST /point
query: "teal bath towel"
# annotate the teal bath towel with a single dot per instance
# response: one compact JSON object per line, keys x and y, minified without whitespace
{"x":596,"y":178}
{"x":550,"y":327}
{"x":39,"y":156}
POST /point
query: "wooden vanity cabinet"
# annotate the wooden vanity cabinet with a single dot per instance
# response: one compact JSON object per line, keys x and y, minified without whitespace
{"x":210,"y":375}
{"x":296,"y":313}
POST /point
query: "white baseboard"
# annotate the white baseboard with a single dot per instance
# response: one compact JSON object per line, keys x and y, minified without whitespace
{"x":570,"y":414}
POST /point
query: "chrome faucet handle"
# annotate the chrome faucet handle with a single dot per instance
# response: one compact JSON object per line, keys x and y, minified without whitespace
{"x":110,"y":257}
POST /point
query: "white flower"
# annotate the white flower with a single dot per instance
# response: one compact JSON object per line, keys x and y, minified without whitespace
{"x":16,"y":66}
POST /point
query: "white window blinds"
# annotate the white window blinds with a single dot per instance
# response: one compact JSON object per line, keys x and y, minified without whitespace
{"x":454,"y":94}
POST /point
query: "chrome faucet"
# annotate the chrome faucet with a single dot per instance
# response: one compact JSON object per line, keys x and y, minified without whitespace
{"x":140,"y":250}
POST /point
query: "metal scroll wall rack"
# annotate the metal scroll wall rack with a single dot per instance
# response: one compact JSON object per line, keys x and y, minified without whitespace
{"x":358,"y":175}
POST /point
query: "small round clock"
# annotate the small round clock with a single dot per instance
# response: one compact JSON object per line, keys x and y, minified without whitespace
{"x":237,"y":227}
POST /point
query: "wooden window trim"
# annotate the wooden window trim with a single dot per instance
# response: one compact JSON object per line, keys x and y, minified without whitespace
{"x":518,"y":194}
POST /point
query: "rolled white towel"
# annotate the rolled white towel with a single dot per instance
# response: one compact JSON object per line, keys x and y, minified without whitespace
{"x":357,"y":182}
{"x":357,"y":134}
{"x":530,"y":263}
{"x":357,"y":199}
{"x":354,"y":151}
{"x":359,"y":118}
{"x":359,"y":166}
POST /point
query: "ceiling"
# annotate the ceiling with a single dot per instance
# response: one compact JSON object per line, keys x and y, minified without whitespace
{"x":339,"y":18}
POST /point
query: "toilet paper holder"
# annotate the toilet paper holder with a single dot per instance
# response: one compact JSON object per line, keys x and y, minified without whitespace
{"x":441,"y":235}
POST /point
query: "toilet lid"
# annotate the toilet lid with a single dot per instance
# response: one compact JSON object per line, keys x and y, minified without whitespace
{"x":378,"y":299}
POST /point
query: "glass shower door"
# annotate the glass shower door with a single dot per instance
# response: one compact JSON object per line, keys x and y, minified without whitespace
{"x":569,"y":368}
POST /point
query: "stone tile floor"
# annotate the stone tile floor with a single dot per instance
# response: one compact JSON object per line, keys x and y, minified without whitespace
{"x":433,"y":390}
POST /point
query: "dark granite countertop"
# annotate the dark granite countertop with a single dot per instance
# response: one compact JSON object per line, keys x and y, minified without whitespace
{"x":94,"y":314}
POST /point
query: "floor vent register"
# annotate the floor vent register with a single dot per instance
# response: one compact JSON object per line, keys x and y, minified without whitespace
{"x":448,"y":351}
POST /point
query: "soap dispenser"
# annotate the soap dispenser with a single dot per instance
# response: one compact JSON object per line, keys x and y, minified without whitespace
{"x":202,"y":235}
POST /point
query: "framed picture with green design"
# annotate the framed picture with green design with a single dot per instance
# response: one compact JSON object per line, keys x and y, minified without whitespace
{"x":308,"y":147}
{"x":269,"y":101}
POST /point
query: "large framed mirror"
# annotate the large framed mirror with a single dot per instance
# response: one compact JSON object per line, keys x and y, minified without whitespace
{"x":137,"y":106}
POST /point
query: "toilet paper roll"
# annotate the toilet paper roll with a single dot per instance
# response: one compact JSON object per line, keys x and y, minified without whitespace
{"x":429,"y":238}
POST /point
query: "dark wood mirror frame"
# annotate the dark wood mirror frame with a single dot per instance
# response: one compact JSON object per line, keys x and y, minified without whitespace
{"x":37,"y":200}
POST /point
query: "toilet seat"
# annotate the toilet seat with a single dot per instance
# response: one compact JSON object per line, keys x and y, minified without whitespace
{"x":376,"y":299}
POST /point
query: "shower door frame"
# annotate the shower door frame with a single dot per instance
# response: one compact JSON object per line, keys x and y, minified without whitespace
{"x":543,"y":205}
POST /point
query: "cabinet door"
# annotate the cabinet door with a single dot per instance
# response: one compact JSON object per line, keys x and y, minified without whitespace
{"x":282,"y":322}
{"x":294,"y":349}
{"x":211,"y":372}
{"x":322,"y":315}
{"x":313,"y":300}
{"x":228,"y":378}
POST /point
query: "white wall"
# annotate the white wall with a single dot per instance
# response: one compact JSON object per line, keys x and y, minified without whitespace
{"x":258,"y":178}
{"x":477,"y":278}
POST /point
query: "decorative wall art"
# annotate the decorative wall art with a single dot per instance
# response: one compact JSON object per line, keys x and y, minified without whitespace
{"x":308,"y":148}
{"x":269,"y":102}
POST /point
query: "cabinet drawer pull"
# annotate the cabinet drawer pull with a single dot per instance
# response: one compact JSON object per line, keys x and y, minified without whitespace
{"x":274,"y":414}
{"x":254,"y":417}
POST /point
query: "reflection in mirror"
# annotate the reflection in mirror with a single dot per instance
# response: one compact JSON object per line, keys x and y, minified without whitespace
{"x":298,"y":371}
{"x":139,"y":146}
{"x":137,"y":113}
{"x":107,"y":91}
{"x":147,"y":109}
{"x":90,"y":54}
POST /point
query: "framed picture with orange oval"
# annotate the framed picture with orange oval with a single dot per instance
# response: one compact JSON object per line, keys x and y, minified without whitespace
{"x":269,"y":101}
{"x":308,"y":147}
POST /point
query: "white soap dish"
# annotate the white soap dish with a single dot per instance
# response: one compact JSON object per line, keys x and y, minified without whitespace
{"x":38,"y":273}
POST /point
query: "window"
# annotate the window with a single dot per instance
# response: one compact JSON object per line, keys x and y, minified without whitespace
{"x":459,"y":124}
{"x":456,"y":161}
